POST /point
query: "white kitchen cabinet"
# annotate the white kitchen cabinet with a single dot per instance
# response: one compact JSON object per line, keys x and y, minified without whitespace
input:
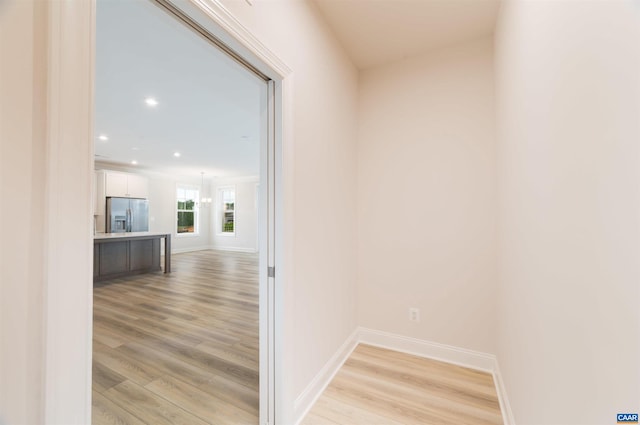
{"x":99,"y":203}
{"x":116,"y":184}
{"x":99,"y":200}
{"x":125,"y":185}
{"x":137,"y":186}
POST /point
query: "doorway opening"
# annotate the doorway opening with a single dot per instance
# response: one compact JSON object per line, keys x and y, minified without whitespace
{"x":178,"y":109}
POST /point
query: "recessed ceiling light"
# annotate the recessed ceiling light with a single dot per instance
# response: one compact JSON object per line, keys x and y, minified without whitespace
{"x":134,"y":162}
{"x":135,"y":148}
{"x":103,"y":137}
{"x":176,"y":154}
{"x":151,"y":101}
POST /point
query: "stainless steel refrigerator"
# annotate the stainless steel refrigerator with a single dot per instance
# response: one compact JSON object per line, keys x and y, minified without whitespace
{"x":127,"y":215}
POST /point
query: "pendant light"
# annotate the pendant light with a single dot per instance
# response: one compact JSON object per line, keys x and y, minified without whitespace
{"x":204,"y":202}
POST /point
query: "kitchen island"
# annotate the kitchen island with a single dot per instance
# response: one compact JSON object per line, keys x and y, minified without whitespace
{"x":122,"y":254}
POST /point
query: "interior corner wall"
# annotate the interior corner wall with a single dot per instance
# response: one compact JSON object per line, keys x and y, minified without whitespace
{"x":22,"y":181}
{"x":568,"y":95}
{"x":427,"y":197}
{"x":320,"y":194}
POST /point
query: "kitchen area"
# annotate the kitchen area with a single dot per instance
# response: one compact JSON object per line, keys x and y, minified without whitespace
{"x":122,"y":243}
{"x":176,"y":144}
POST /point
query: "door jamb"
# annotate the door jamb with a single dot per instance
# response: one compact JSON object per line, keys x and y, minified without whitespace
{"x":68,"y":301}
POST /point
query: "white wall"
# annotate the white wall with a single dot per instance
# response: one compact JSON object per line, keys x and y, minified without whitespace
{"x":320,"y":175}
{"x":162,"y":206}
{"x":162,"y":212}
{"x":320,"y":306}
{"x":320,"y":242}
{"x":22,"y":171}
{"x":45,"y":262}
{"x":427,"y":197}
{"x":245,"y":237}
{"x":568,"y":80}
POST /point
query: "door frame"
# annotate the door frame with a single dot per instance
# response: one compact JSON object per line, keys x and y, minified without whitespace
{"x":68,"y":299}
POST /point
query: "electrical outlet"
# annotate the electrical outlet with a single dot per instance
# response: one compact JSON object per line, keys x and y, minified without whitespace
{"x":414,"y":314}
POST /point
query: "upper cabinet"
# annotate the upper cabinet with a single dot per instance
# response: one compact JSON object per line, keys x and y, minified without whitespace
{"x":123,"y":185}
{"x":116,"y":184}
{"x":137,"y":186}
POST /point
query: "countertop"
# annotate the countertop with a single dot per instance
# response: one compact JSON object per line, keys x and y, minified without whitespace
{"x":124,"y":235}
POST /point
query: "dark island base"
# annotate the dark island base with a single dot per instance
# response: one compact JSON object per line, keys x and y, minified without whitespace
{"x":126,"y":256}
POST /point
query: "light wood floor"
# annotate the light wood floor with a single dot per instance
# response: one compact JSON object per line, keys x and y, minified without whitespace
{"x":179,"y":348}
{"x":382,"y":387}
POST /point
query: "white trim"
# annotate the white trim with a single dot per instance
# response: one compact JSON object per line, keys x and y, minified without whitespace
{"x":238,"y":37}
{"x":212,"y":248}
{"x":219,"y":210}
{"x":157,"y":174}
{"x":190,"y":249}
{"x":505,"y":406}
{"x":433,"y":350}
{"x":67,"y":347}
{"x":285,"y":219}
{"x":305,"y":401}
{"x":196,"y":210}
{"x":68,"y":294}
{"x":186,"y":235}
{"x":234,"y":249}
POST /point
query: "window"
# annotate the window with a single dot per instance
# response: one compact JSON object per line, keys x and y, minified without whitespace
{"x":187,"y":199}
{"x":227,"y":198}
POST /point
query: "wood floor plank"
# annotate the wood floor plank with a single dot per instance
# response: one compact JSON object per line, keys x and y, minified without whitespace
{"x":206,"y":361}
{"x":107,"y":336}
{"x":106,"y":412}
{"x":400,"y":363}
{"x":333,"y":410}
{"x":313,"y":419}
{"x":432,"y":384}
{"x":128,"y":366}
{"x":151,"y":329}
{"x":376,"y":385}
{"x":186,"y":341}
{"x":233,"y":393}
{"x":229,"y":353}
{"x":211,"y":330}
{"x":104,"y":377}
{"x":153,"y":408}
{"x":200,"y":403}
{"x":431,"y":406}
{"x":169,"y":364}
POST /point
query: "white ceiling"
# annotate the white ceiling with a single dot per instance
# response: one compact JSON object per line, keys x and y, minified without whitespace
{"x":209,"y":106}
{"x":375,"y":32}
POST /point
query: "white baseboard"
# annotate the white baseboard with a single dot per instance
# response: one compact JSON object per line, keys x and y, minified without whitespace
{"x":190,"y":249}
{"x":234,"y":249}
{"x":505,"y":407}
{"x":433,"y":350}
{"x":208,"y":247}
{"x":305,"y":401}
